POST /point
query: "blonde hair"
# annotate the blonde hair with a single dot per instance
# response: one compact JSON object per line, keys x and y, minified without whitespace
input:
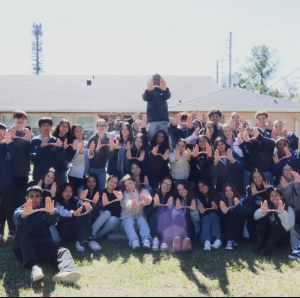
{"x":224,"y":126}
{"x":129,"y":178}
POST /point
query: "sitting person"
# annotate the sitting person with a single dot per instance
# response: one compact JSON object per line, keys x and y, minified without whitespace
{"x":186,"y":218}
{"x":159,"y":213}
{"x":275,"y":221}
{"x":74,"y":219}
{"x":133,"y":205}
{"x":210,"y":216}
{"x":34,"y":242}
{"x":109,"y":208}
{"x":49,"y":183}
{"x":235,"y":215}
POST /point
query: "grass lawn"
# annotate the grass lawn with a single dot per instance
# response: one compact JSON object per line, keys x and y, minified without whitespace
{"x":117,"y":271}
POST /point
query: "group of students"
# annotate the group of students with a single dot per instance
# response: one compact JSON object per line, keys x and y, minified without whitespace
{"x":169,"y":183}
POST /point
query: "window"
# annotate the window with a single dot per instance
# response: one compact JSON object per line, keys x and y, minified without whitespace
{"x":57,"y":119}
{"x":8,"y":120}
{"x":33,"y":122}
{"x":87,"y":122}
{"x":249,"y":121}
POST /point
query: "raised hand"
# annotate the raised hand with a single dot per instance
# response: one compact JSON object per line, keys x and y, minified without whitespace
{"x":156,"y":201}
{"x":236,"y":202}
{"x":297,"y":177}
{"x":170,"y":203}
{"x":195,"y":114}
{"x":202,"y":209}
{"x":166,"y":155}
{"x":255,"y":133}
{"x":135,"y":116}
{"x":270,"y":124}
{"x":274,"y":135}
{"x":288,"y":153}
{"x":92,"y":148}
{"x":75,"y":146}
{"x":254,"y":190}
{"x":146,"y":181}
{"x":281,"y":207}
{"x":84,"y":195}
{"x":134,"y":204}
{"x":150,"y":85}
{"x":129,"y":155}
{"x":208,"y":150}
{"x":264,"y":207}
{"x":96,"y":198}
{"x":144,"y":122}
{"x":13,"y":133}
{"x":145,"y":199}
{"x":266,"y":185}
{"x":78,"y":212}
{"x":58,"y":143}
{"x":8,"y":138}
{"x":285,"y":133}
{"x":217,"y":157}
{"x":276,"y":158}
{"x":88,"y":207}
{"x":204,"y":118}
{"x":66,"y":146}
{"x":176,"y":119}
{"x":214,"y":206}
{"x":246,"y":137}
{"x":188,"y":154}
{"x":189,"y":122}
{"x":224,"y":208}
{"x":117,"y":145}
{"x":49,"y":206}
{"x":177,"y":155}
{"x":81,"y":148}
{"x":53,"y":189}
{"x":105,"y":201}
{"x":193,"y":206}
{"x":283,"y":183}
{"x":118,"y":195}
{"x":155,"y":150}
{"x":163,"y":85}
{"x":28,"y":209}
{"x":142,"y":156}
{"x":121,"y":117}
{"x":197,"y":131}
{"x":99,"y":145}
{"x":196,"y":151}
{"x":28,"y":135}
{"x":178,"y":205}
{"x":111,"y":144}
{"x":230,"y":155}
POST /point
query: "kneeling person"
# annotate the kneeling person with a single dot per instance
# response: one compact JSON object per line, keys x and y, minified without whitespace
{"x":34,"y":242}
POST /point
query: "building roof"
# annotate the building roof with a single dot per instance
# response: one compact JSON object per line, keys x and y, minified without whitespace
{"x":107,"y":93}
{"x":229,"y":100}
{"x":55,"y":93}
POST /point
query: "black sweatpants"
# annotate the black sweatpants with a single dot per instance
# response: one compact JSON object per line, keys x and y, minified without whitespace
{"x":233,"y":226}
{"x":76,"y":182}
{"x":7,"y":208}
{"x":30,"y":252}
{"x":20,"y":186}
{"x":79,"y":228}
{"x":274,"y":230}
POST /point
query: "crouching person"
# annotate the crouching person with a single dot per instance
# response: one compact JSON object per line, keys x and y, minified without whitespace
{"x":133,"y":205}
{"x":34,"y":243}
{"x":275,"y":221}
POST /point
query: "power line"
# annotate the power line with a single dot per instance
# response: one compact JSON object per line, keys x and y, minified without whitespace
{"x":285,"y":77}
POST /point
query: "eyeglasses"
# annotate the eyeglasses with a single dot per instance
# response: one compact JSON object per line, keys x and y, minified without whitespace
{"x":102,"y":125}
{"x":166,"y":184}
{"x":64,"y":126}
{"x":286,"y":171}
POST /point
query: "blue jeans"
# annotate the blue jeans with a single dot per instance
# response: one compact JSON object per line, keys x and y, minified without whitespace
{"x":128,"y":228}
{"x":104,"y":224}
{"x":55,"y":235}
{"x":210,"y":228}
{"x":101,"y":173}
{"x":154,"y":127}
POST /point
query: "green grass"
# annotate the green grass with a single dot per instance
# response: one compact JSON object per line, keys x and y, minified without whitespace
{"x":117,"y":271}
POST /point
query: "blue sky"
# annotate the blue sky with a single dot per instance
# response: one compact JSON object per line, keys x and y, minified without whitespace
{"x":136,"y":37}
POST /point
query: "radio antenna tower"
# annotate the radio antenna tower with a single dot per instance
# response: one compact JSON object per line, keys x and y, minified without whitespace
{"x":37,"y":48}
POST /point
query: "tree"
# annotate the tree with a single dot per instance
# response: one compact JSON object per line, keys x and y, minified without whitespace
{"x":259,"y":69}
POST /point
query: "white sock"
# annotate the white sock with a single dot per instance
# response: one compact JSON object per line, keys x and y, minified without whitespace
{"x":188,"y":239}
{"x":177,"y":237}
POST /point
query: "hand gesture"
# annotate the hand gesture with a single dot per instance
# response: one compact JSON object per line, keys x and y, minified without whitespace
{"x":177,"y":155}
{"x":178,"y":205}
{"x":274,"y":135}
{"x":281,"y":207}
{"x":204,"y":118}
{"x":202,"y":209}
{"x":28,"y":209}
{"x":224,"y":208}
{"x":236,"y":202}
{"x":156,"y":201}
{"x":75,"y":146}
{"x":246,"y":137}
{"x":59,"y":143}
{"x":163,"y":84}
{"x":297,"y":177}
{"x":146,"y":199}
{"x":170,"y":203}
{"x":135,"y":116}
{"x":285,"y":133}
{"x":208,"y":150}
{"x":88,"y":208}
{"x":155,"y":150}
{"x":121,"y":117}
{"x":196,"y":151}
{"x":111,"y":144}
{"x":105,"y":201}
{"x":146,"y":181}
{"x":118,"y":195}
{"x":142,"y":156}
{"x":176,"y":119}
{"x":193,"y":206}
{"x":276,"y":158}
{"x":96,"y":198}
{"x":166,"y":155}
{"x":270,"y":124}
{"x":283,"y":183}
{"x":197,"y":131}
{"x":66,"y":146}
{"x":92,"y":148}
{"x":266,"y":185}
{"x":28,"y":135}
{"x":264,"y":207}
{"x":8,"y":138}
{"x":239,"y":140}
{"x":78,"y":212}
{"x":53,"y":189}
{"x":134,"y":204}
{"x":117,"y":145}
{"x":13,"y":132}
{"x":254,"y":190}
{"x":217,"y":157}
{"x":189,"y":122}
{"x":288,"y":153}
{"x":129,"y":155}
{"x":84,"y":195}
{"x":49,"y":206}
{"x":81,"y":148}
{"x":255,"y":133}
{"x":188,"y":154}
{"x":99,"y":145}
{"x":230,"y":155}
{"x":195,"y":114}
{"x":214,"y":206}
{"x":150,"y":84}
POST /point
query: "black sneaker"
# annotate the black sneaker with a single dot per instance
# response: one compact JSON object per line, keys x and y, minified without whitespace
{"x":12,"y":234}
{"x":295,"y":254}
{"x":1,"y":240}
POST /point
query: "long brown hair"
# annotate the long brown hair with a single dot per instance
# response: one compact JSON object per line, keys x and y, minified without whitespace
{"x":234,"y":190}
{"x":130,"y":137}
{"x":51,"y":170}
{"x":68,"y":135}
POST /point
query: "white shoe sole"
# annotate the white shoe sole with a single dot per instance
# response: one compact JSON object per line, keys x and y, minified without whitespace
{"x":95,"y":250}
{"x":215,"y":247}
{"x":38,"y":277}
{"x":69,"y":278}
{"x":293,"y":258}
{"x":164,"y":249}
{"x":155,"y":249}
{"x":229,"y":248}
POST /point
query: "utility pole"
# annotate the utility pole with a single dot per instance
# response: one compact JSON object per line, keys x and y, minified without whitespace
{"x":37,"y":48}
{"x":217,"y":72}
{"x":230,"y":60}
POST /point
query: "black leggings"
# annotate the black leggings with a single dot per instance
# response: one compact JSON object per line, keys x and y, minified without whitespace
{"x":7,"y":208}
{"x":78,"y":228}
{"x":76,"y":182}
{"x":28,"y":251}
{"x":20,"y":186}
{"x":233,"y":226}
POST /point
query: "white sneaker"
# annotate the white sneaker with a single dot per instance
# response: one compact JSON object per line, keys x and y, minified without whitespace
{"x":207,"y":246}
{"x":79,"y":247}
{"x":94,"y":246}
{"x":217,"y":244}
{"x":135,"y":245}
{"x":164,"y":247}
{"x":229,"y":245}
{"x":155,"y":245}
{"x":37,"y":274}
{"x":67,"y":277}
{"x":147,"y":244}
